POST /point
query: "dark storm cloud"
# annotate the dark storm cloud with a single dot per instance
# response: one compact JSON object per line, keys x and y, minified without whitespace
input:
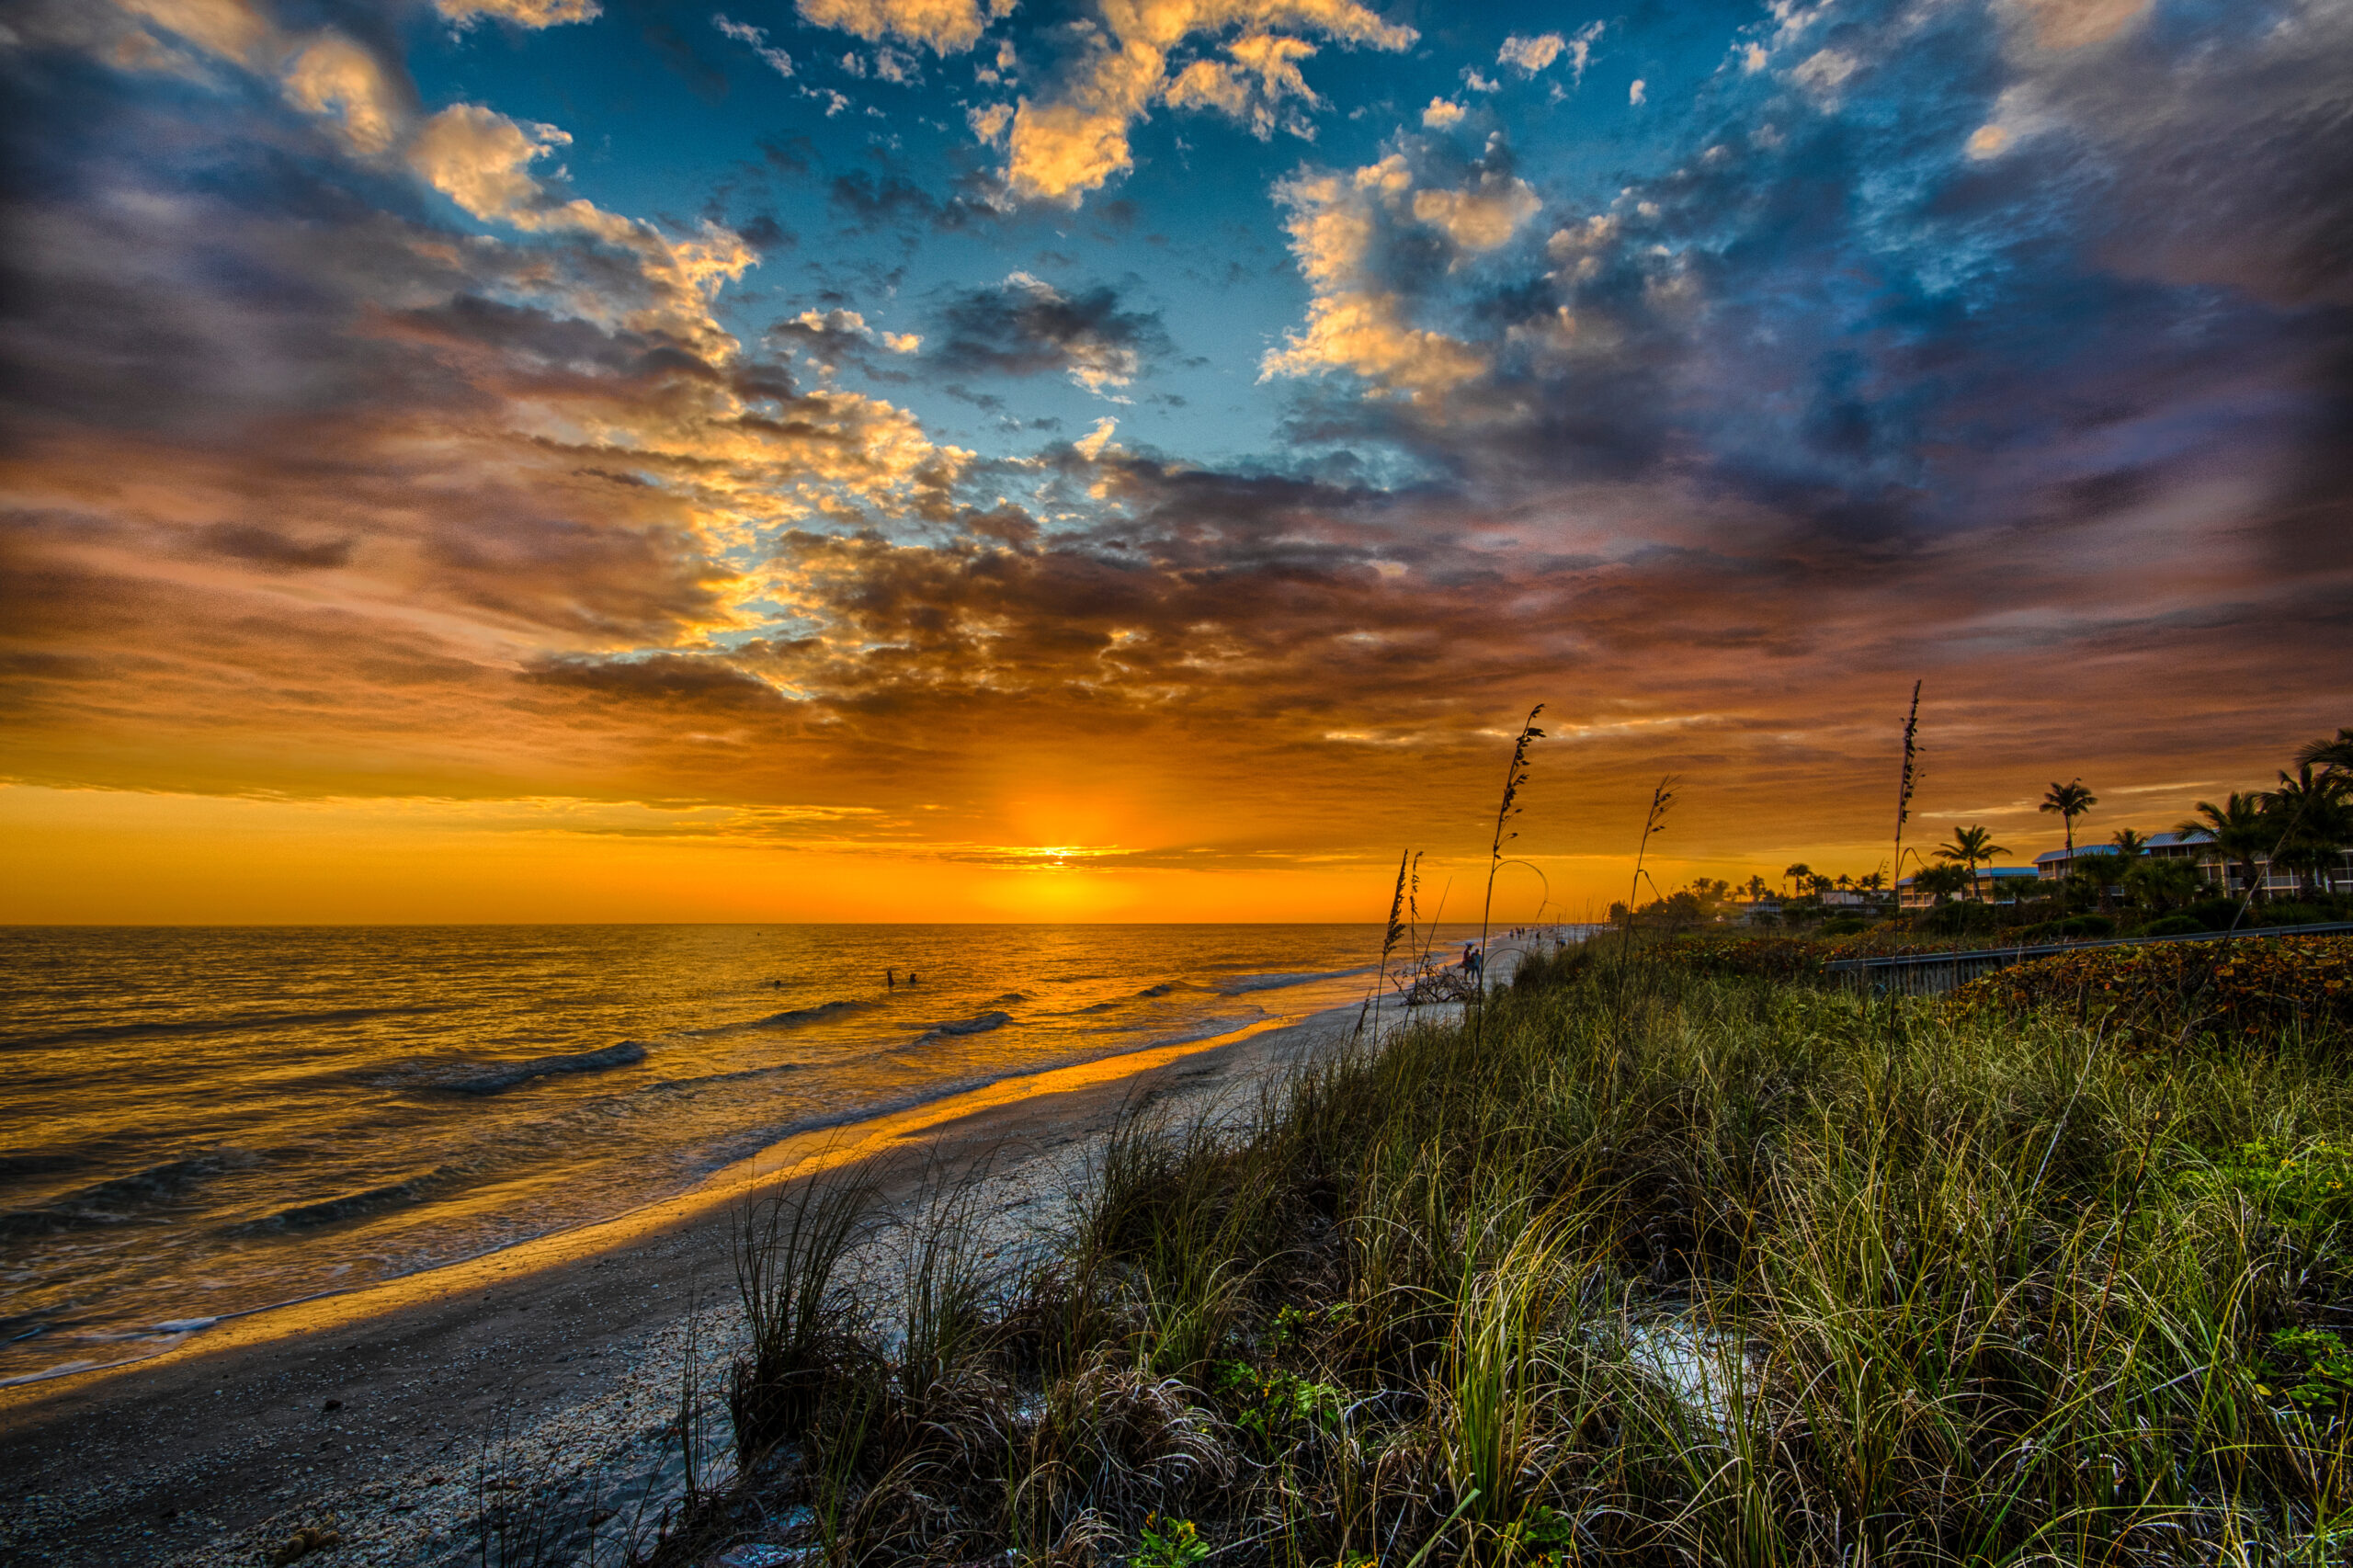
{"x":1026,"y":326}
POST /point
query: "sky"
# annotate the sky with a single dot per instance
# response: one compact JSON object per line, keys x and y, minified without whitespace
{"x":1143,"y":459}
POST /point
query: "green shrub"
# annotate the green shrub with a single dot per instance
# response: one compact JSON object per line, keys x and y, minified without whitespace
{"x":2173,"y":925}
{"x":2217,"y":913}
{"x":1959,"y":919}
{"x":2231,"y":988}
{"x":1175,"y":1543}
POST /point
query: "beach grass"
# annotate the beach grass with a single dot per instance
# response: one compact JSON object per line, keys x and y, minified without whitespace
{"x":1660,"y":1266}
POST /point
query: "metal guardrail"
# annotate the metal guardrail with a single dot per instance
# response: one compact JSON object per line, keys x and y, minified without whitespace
{"x":1926,"y":974}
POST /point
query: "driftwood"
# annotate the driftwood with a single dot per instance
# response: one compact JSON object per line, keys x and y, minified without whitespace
{"x":1450,"y":984}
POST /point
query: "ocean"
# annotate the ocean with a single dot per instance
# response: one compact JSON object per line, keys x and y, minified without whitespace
{"x":199,"y":1122}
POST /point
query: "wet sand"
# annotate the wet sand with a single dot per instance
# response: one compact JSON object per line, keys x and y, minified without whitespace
{"x":371,"y":1411}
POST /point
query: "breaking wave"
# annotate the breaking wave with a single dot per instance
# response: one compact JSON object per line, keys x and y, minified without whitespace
{"x":977,"y":1025}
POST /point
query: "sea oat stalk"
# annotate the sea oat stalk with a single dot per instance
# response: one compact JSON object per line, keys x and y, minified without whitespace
{"x":1515,"y":776}
{"x":1653,"y":824}
{"x":1910,"y":782}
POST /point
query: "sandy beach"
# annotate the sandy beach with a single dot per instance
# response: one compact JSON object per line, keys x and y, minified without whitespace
{"x":372,"y":1413}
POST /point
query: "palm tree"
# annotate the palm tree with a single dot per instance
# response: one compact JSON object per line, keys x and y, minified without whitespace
{"x":1845,"y":882}
{"x":2069,"y":801}
{"x":2312,"y":822}
{"x":1970,"y":846}
{"x":1940,"y":882}
{"x":2331,"y":757}
{"x":1757,"y":888}
{"x":2130,"y":845}
{"x":2240,"y":832}
{"x":1797,"y":874}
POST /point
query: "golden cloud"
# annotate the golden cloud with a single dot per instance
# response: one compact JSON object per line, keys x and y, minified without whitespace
{"x":2074,"y":24}
{"x":948,"y":26}
{"x":1076,"y":139}
{"x":1479,"y":217}
{"x":519,"y":13}
{"x":337,"y":79}
{"x":1357,"y":323}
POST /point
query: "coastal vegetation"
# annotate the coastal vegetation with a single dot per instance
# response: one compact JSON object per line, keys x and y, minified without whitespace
{"x":1663,"y":1264}
{"x":2276,"y":856}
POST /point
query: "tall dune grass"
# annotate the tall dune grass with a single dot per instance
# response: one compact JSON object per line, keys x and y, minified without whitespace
{"x":1661,"y":1267}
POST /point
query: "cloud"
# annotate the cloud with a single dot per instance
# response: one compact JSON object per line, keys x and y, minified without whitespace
{"x":481,"y":160}
{"x":1251,"y":85}
{"x":827,"y":335}
{"x":270,"y":549}
{"x":1075,"y":139}
{"x":1481,"y":215}
{"x":519,"y":13}
{"x":946,"y":26}
{"x":989,"y":121}
{"x":697,"y":681}
{"x":1347,"y":232}
{"x":323,"y":74}
{"x":757,"y":39}
{"x":2076,"y":24}
{"x":1529,"y":55}
{"x":1636,"y":92}
{"x":1026,"y":326}
{"x":1090,"y":446}
{"x":1442,"y":114}
{"x":317,"y":487}
{"x":2217,"y":159}
{"x":334,"y":78}
{"x":1355,"y":321}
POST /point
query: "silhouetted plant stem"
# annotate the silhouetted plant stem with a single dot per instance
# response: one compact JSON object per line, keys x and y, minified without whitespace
{"x":1515,"y":774}
{"x":1653,"y":824}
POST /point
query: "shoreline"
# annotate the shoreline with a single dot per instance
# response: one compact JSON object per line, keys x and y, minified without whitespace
{"x":265,"y":1420}
{"x":795,"y":1155}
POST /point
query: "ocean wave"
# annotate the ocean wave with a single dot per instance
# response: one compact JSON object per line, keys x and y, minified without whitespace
{"x":977,"y":1025}
{"x":497,"y":1077}
{"x":115,"y":1201}
{"x":1007,"y":997}
{"x":1163,"y":988}
{"x":785,"y":1020}
{"x":1269,"y":982}
{"x":226,"y":1023}
{"x":344,"y":1205}
{"x":809,"y":1015}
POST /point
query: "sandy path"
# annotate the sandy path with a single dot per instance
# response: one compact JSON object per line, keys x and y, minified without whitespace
{"x":372,"y":1412}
